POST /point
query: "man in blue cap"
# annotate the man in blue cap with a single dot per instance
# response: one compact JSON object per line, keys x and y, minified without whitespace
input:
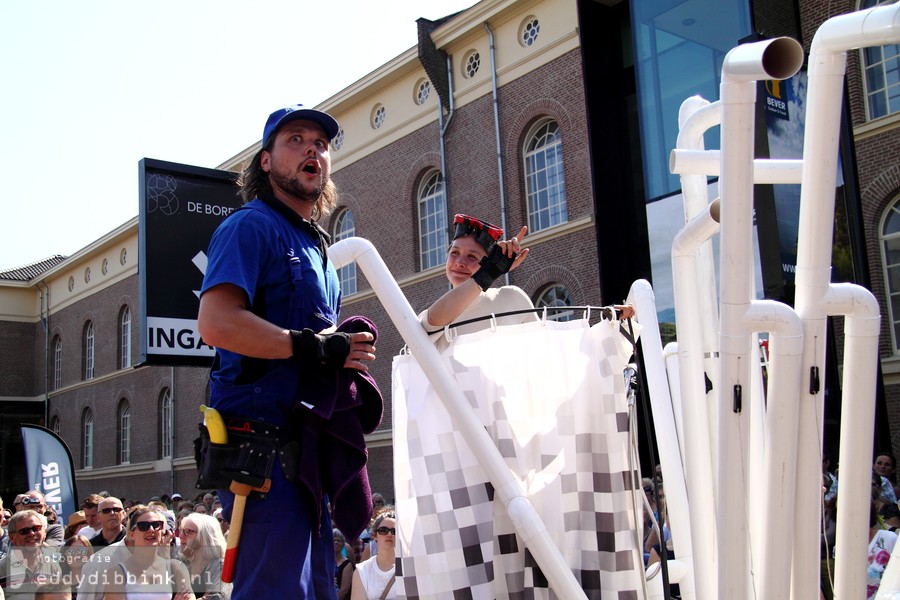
{"x":269,"y":305}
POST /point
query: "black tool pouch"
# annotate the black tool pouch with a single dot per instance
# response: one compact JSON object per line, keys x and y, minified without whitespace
{"x":248,"y":456}
{"x":289,"y":455}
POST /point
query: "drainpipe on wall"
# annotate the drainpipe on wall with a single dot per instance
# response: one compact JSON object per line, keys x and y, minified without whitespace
{"x":444,"y":125}
{"x":172,"y":434}
{"x":490,"y":33}
{"x":45,"y":322}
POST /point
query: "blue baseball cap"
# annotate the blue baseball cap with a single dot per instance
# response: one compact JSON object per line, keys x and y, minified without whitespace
{"x":293,"y":113}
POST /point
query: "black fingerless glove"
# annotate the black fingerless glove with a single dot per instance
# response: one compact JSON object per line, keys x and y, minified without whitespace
{"x":322,"y":348}
{"x":493,"y":265}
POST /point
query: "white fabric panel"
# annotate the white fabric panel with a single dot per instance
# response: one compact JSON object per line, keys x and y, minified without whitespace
{"x":552,"y":397}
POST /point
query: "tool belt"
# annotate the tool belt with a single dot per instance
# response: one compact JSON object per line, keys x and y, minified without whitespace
{"x":248,"y":457}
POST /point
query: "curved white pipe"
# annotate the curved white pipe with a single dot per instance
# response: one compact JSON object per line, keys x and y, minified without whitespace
{"x":861,"y":329}
{"x":743,"y":66}
{"x":695,"y":117}
{"x":827,"y":63}
{"x":678,"y":572}
{"x":508,"y":489}
{"x":692,"y":370}
{"x":782,"y":416}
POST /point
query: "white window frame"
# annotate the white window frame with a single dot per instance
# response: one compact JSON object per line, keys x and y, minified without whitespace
{"x":556,"y":295}
{"x":124,"y":433}
{"x":432,"y":207}
{"x":87,"y":439}
{"x":165,"y":422}
{"x":888,"y":266}
{"x":883,"y":67}
{"x":125,"y":337}
{"x":545,"y":185}
{"x":89,"y":350}
{"x":57,"y":363}
{"x":345,"y":227}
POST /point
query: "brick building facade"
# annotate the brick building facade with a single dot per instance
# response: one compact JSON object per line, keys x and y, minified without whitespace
{"x":391,"y":143}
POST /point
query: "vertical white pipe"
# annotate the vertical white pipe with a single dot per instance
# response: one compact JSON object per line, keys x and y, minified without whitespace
{"x":695,"y":117}
{"x":508,"y":489}
{"x":827,"y":62}
{"x":698,"y":452}
{"x":735,"y":271}
{"x":666,"y":437}
{"x":670,"y":357}
{"x":743,"y":66}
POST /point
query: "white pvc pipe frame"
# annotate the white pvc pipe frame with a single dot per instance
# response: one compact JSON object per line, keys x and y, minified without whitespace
{"x":725,"y":549}
{"x":816,"y":299}
{"x":508,"y":489}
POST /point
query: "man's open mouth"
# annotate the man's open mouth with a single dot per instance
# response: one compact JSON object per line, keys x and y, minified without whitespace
{"x":311,"y":167}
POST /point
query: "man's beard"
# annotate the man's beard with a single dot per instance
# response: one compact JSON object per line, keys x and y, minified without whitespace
{"x":289,"y":183}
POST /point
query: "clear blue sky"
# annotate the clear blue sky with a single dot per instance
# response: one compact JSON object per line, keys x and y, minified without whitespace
{"x":91,"y":87}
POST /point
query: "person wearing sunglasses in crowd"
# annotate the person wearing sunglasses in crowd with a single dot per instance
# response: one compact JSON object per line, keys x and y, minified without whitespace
{"x":112,"y":517}
{"x":476,"y":258}
{"x":25,"y":567}
{"x":144,"y":574}
{"x":374,"y":578}
{"x":34,"y":500}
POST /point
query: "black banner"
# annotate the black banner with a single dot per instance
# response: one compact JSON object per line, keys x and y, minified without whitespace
{"x":180,"y":208}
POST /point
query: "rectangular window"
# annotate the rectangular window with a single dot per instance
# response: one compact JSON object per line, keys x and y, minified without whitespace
{"x":125,"y":339}
{"x":57,"y":364}
{"x":165,"y":430}
{"x":88,"y":437}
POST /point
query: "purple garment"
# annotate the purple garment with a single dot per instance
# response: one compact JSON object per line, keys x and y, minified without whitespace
{"x":335,"y":412}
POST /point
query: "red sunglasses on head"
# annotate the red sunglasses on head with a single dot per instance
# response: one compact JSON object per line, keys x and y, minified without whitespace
{"x":485,"y":233}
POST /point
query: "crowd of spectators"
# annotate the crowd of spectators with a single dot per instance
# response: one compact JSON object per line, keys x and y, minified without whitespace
{"x":113,"y":548}
{"x":43,"y":558}
{"x":884,"y":522}
{"x":105,"y":544}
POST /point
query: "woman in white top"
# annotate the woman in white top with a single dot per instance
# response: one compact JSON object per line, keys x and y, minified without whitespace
{"x":372,"y":577}
{"x":144,"y":574}
{"x":476,"y":258}
{"x":203,"y":551}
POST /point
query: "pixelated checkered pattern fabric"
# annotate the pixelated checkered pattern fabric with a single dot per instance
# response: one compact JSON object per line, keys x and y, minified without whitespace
{"x":552,"y":398}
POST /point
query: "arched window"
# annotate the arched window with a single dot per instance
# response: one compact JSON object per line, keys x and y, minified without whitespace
{"x":87,"y":370}
{"x":881,"y":74}
{"x":57,"y":362}
{"x":87,"y":439}
{"x":54,"y":424}
{"x":432,"y":220}
{"x":124,"y":432}
{"x":165,"y":423}
{"x":345,"y":227}
{"x":545,"y":187}
{"x":125,"y":337}
{"x":890,"y":259}
{"x":556,"y":296}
